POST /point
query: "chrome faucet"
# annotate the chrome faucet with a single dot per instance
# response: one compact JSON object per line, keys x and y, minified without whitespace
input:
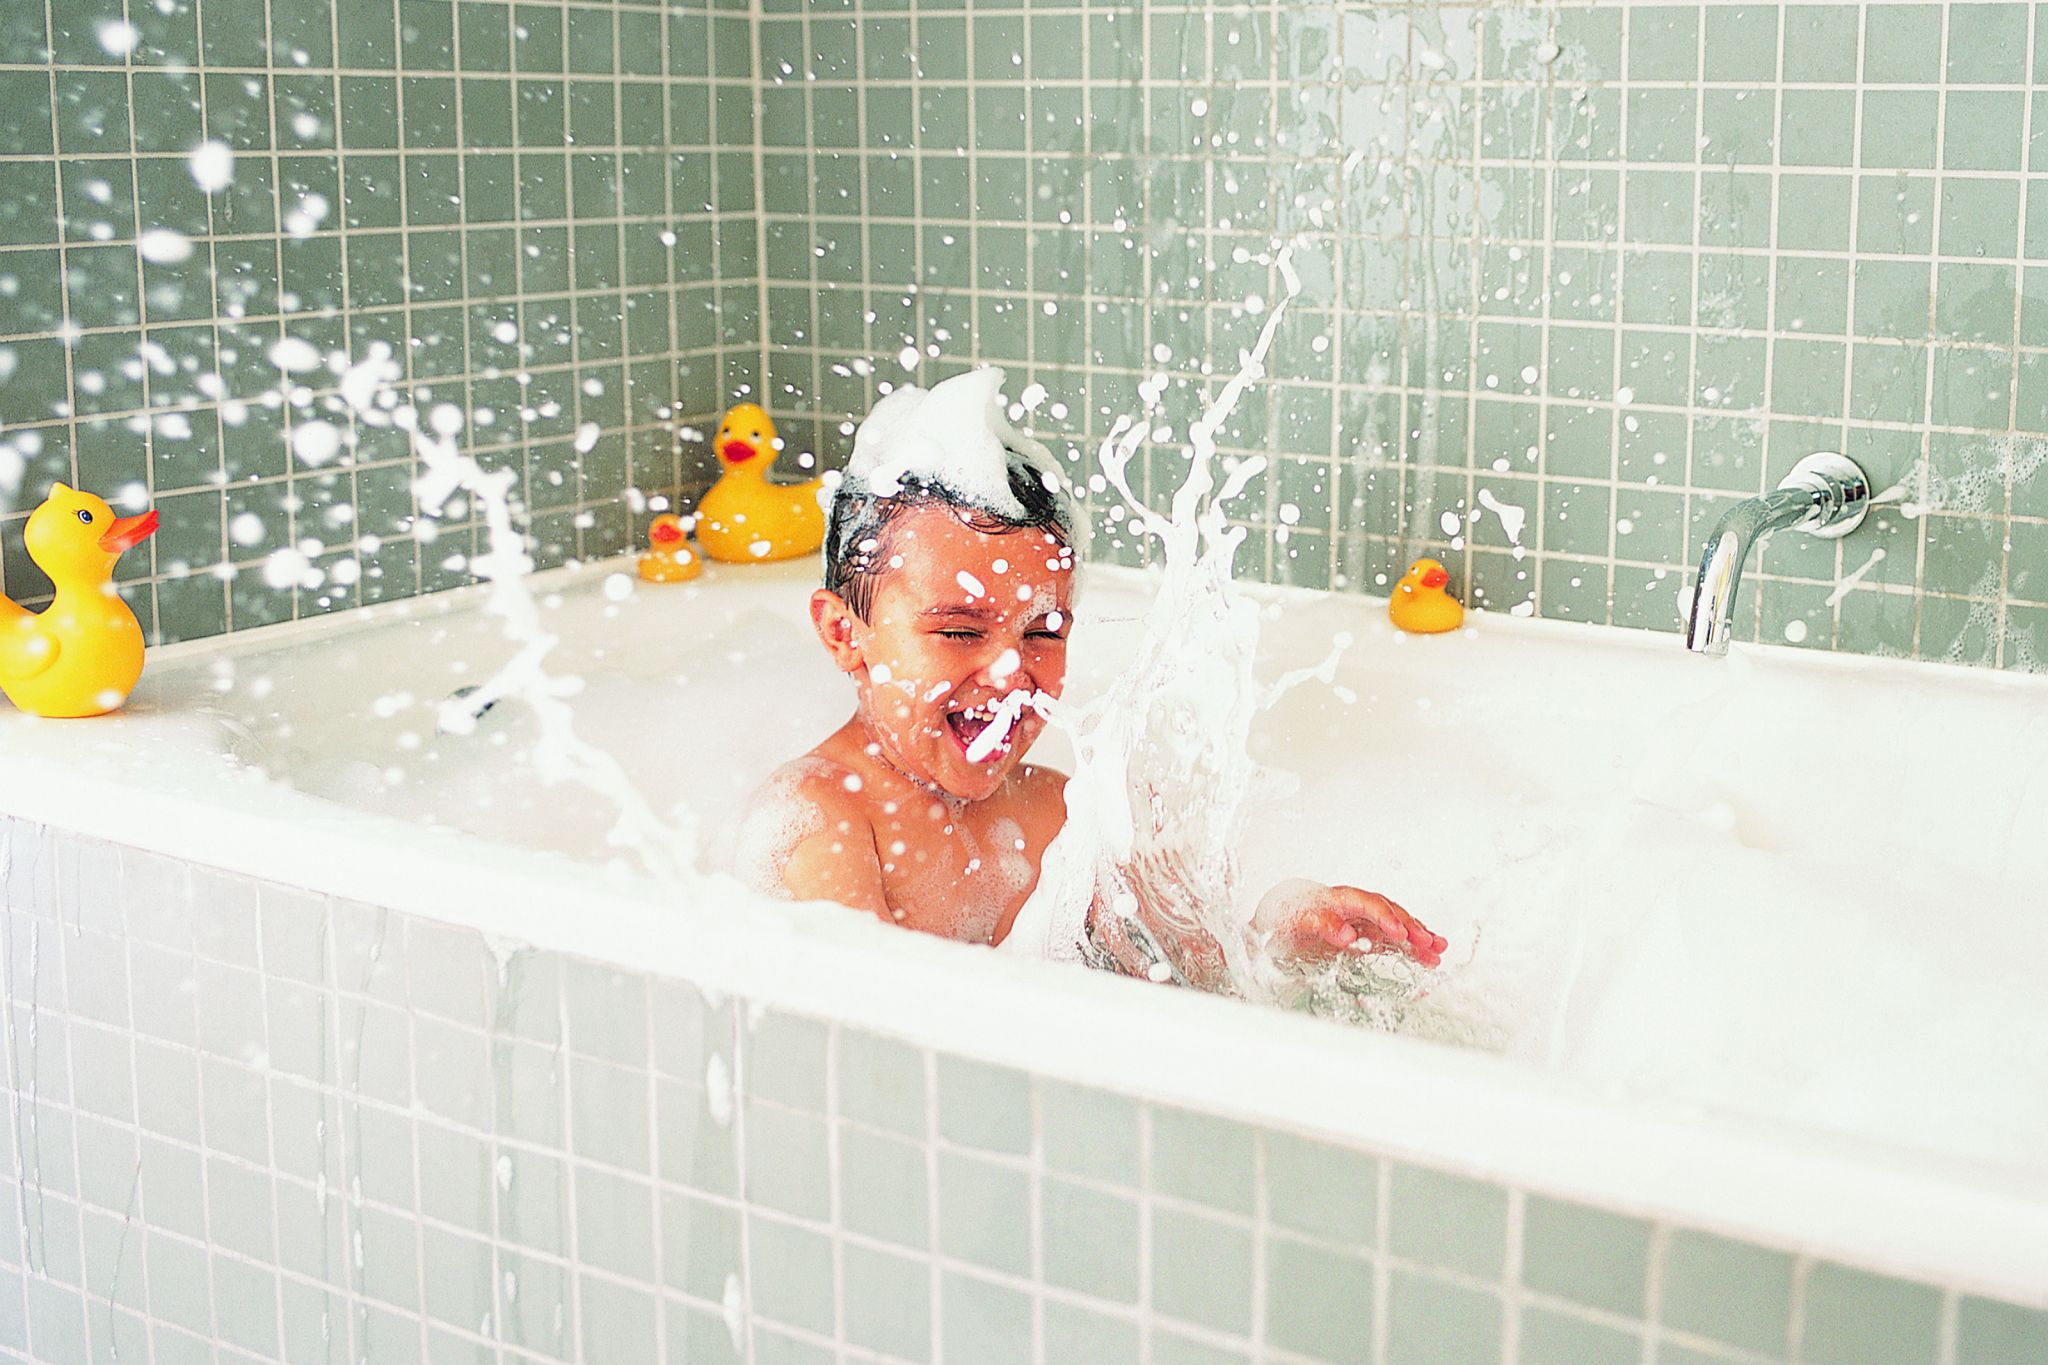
{"x":1824,"y":495}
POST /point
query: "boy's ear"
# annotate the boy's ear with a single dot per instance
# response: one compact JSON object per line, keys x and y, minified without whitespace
{"x":834,"y":621}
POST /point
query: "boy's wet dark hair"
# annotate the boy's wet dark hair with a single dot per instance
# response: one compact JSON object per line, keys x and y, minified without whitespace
{"x":857,"y":528}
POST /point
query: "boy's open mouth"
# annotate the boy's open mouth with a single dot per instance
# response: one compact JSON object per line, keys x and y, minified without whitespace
{"x":967,"y":725}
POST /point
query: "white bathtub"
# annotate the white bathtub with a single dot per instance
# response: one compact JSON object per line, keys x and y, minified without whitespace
{"x":1766,"y":933}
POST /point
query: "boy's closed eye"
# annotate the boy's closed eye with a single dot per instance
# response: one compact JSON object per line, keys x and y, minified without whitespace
{"x":955,"y":633}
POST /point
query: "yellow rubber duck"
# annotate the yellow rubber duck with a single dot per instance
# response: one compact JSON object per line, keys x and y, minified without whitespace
{"x":669,"y":558}
{"x":746,"y":519}
{"x":1420,"y":605}
{"x":81,"y":655}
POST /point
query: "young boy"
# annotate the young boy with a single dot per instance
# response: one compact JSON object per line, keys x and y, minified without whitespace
{"x":940,"y":603}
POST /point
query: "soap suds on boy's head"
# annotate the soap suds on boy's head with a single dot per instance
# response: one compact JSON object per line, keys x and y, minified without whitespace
{"x":949,"y":446}
{"x":954,"y":434}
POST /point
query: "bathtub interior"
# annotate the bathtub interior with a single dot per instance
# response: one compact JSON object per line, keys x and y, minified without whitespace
{"x":1788,"y":889}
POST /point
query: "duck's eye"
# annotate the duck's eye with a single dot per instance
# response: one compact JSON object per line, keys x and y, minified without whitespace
{"x":85,"y":516}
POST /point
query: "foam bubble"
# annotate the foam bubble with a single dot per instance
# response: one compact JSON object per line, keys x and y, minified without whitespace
{"x":1512,"y":517}
{"x":305,"y":217}
{"x":213,"y":165}
{"x":163,"y":246}
{"x":316,"y":442}
{"x":295,"y":356}
{"x":118,"y":37}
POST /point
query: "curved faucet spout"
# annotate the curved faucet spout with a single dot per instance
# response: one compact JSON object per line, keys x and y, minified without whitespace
{"x":1825,"y":494}
{"x":1728,"y":547}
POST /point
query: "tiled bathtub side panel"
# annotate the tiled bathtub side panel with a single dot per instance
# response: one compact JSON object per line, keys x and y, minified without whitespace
{"x":315,"y":1130}
{"x":246,"y":1123}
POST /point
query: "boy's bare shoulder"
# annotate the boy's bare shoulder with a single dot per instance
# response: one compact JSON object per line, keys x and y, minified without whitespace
{"x":815,"y":778}
{"x":803,"y":834}
{"x":803,"y":797}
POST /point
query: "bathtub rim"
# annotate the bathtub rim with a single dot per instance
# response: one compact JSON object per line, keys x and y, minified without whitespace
{"x":581,"y":573}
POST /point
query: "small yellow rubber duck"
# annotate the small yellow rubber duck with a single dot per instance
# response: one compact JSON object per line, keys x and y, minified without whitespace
{"x":746,"y":519}
{"x":669,"y":558}
{"x":1419,"y":603}
{"x":81,"y":655}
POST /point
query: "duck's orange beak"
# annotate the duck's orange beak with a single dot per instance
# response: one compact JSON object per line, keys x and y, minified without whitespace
{"x":128,"y":532}
{"x":1434,"y":578}
{"x":738,"y":452}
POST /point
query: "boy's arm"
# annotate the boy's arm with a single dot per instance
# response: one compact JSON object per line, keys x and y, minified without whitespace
{"x":1298,"y":921}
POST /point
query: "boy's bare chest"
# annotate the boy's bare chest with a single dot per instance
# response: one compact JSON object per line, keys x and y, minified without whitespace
{"x":963,"y":873}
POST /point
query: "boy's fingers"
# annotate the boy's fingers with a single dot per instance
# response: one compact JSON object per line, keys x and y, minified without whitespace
{"x":1385,"y":921}
{"x":1416,"y":931}
{"x":1388,"y":920}
{"x":1327,"y":926}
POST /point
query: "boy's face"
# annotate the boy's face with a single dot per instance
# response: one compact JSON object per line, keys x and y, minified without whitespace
{"x":959,"y":619}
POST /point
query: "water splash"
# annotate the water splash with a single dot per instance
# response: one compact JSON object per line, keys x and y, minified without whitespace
{"x":1164,"y":782}
{"x":1990,"y":470}
{"x":1163,"y":775}
{"x":665,"y":846}
{"x":1512,"y":518}
{"x":1851,"y":579}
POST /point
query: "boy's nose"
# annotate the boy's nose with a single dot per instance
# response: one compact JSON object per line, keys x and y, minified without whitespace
{"x":1004,"y":670}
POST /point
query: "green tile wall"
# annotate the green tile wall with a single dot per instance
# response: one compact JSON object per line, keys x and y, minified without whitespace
{"x":1614,"y":265}
{"x":260,"y":1123}
{"x":1611,"y":265}
{"x":527,"y":200}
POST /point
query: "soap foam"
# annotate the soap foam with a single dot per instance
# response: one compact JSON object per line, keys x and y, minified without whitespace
{"x":954,"y":436}
{"x":775,"y":821}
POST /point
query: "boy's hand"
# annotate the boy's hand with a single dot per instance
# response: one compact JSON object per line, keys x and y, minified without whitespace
{"x":1312,"y":921}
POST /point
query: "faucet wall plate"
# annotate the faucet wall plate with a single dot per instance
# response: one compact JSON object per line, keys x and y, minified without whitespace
{"x":1847,"y":488}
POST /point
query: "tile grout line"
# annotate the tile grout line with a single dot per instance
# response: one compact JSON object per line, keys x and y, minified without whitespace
{"x":1850,"y":347}
{"x":756,"y":82}
{"x":2002,"y":639}
{"x":1935,"y":366}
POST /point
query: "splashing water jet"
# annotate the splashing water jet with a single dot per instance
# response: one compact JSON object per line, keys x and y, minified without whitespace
{"x":1164,"y":783}
{"x":665,"y":847}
